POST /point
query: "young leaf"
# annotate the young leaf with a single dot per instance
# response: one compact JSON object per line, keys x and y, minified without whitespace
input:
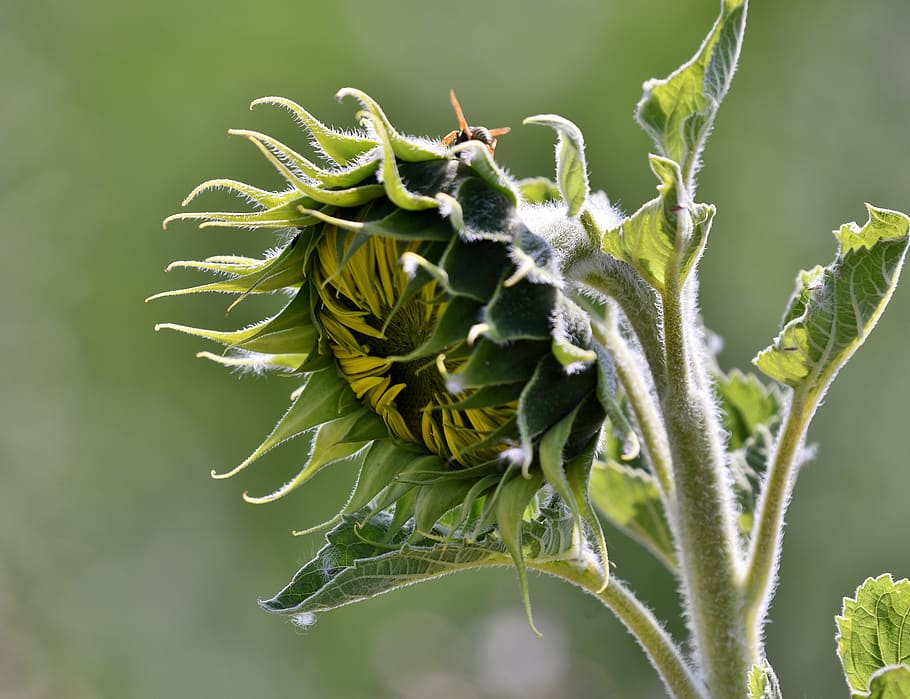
{"x":678,"y":111}
{"x":665,"y":237}
{"x":891,"y":683}
{"x":874,"y":632}
{"x":750,"y":412}
{"x":763,"y":683}
{"x":746,"y":404}
{"x":539,"y":190}
{"x":834,"y":308}
{"x":630,"y":500}
{"x":571,"y":169}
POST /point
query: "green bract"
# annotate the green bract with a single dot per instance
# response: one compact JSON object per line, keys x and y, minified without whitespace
{"x":429,"y":328}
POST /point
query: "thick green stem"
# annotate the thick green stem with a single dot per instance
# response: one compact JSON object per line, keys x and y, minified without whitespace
{"x":663,"y":653}
{"x":709,"y":553}
{"x":764,"y":555}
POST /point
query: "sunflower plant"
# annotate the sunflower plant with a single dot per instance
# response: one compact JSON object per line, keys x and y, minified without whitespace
{"x":508,"y":361}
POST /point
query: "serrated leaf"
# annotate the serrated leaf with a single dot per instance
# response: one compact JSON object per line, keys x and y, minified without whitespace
{"x":665,"y":237}
{"x":874,"y":630}
{"x":630,"y":499}
{"x":357,"y":564}
{"x":891,"y":683}
{"x":763,"y":683}
{"x":365,"y":559}
{"x":571,"y":168}
{"x":834,"y":308}
{"x":678,"y":111}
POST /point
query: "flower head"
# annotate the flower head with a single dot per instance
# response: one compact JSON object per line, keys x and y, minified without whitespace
{"x":427,"y":323}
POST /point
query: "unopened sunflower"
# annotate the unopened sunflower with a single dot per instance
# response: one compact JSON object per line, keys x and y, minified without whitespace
{"x":428,"y":324}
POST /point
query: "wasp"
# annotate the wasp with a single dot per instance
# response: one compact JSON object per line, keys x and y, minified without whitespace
{"x":471,"y":133}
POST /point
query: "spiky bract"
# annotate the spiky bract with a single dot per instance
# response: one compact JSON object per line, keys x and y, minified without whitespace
{"x":429,"y":326}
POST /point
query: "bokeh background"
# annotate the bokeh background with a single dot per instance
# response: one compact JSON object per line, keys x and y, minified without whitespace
{"x":126,"y":572}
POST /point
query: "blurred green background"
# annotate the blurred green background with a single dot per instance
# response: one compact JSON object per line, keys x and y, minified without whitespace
{"x":126,"y":572}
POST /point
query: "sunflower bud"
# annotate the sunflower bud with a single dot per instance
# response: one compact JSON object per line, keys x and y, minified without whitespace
{"x":427,"y":323}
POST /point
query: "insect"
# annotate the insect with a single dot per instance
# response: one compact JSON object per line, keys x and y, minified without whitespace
{"x":471,"y":133}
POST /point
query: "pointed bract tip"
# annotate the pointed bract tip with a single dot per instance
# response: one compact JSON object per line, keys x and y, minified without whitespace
{"x":345,"y":91}
{"x":263,"y":100}
{"x":476,"y":331}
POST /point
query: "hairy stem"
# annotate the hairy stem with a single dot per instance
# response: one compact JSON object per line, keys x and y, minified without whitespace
{"x":709,"y":552}
{"x":647,"y":413}
{"x":764,"y":555}
{"x":663,"y":653}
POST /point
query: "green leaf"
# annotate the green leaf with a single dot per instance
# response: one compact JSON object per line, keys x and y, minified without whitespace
{"x":664,"y":238}
{"x":834,"y":308}
{"x":750,"y":412}
{"x":571,"y":169}
{"x":874,"y":630}
{"x":746,"y":404}
{"x":630,"y":499}
{"x":891,"y":683}
{"x":363,"y":559}
{"x":357,"y":564}
{"x":539,"y":190}
{"x":763,"y":683}
{"x":678,"y":111}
